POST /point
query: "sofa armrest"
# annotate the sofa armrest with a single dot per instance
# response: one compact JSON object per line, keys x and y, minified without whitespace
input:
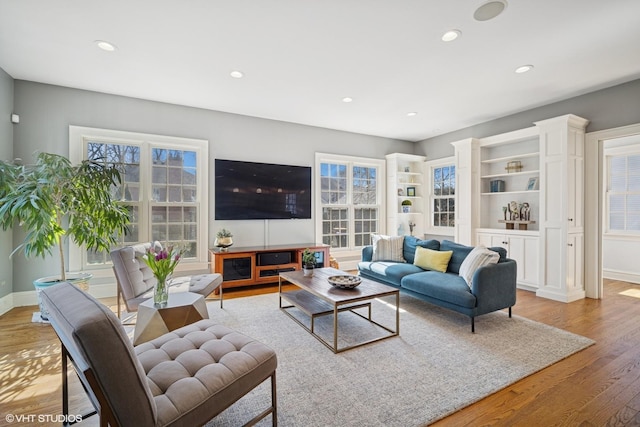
{"x":495,"y":286}
{"x":367,"y":253}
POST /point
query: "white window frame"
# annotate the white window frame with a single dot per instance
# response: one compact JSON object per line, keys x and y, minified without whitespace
{"x":350,"y":161}
{"x":626,"y":150}
{"x":78,"y":140}
{"x":429,"y":166}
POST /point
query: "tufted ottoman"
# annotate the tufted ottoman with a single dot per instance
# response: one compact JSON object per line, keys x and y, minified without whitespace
{"x":182,"y":378}
{"x":202,"y":359}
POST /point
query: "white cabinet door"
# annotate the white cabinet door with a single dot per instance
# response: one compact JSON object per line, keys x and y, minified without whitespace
{"x":531,"y":264}
{"x":523,"y":249}
{"x":575,"y":273}
{"x":516,"y":250}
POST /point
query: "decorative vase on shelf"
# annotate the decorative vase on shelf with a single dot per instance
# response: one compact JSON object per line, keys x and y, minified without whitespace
{"x":160,"y":293}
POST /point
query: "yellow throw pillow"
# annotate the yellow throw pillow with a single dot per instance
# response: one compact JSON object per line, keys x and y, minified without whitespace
{"x":428,"y":259}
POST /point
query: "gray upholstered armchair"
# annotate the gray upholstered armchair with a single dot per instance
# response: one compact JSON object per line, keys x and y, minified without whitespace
{"x":136,"y":280}
{"x":182,"y":378}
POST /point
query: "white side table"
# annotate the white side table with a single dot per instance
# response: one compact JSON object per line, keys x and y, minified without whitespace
{"x":182,"y":309}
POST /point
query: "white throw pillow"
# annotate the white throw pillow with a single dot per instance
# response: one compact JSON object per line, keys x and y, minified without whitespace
{"x":387,"y":248}
{"x":478,"y":257}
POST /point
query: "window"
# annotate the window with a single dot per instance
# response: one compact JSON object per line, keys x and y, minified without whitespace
{"x":442,"y":200}
{"x":623,"y":191}
{"x":348,"y":195}
{"x":164,"y":186}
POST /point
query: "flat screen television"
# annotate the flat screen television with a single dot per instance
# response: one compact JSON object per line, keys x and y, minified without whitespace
{"x":248,"y":190}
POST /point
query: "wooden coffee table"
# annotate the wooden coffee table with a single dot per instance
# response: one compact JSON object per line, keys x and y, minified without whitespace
{"x":317,"y":297}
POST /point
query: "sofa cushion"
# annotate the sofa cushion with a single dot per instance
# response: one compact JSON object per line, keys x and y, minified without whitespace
{"x":429,"y":259}
{"x":387,"y":248}
{"x":410,"y":244}
{"x":442,"y":286}
{"x":460,"y":252}
{"x":478,"y":257}
{"x":392,"y":271}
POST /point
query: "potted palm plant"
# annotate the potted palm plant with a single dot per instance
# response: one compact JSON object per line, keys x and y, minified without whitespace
{"x":54,"y":199}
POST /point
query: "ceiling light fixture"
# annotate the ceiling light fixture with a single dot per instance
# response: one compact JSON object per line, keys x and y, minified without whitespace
{"x":236,"y":74}
{"x":524,"y":68}
{"x":490,"y":10}
{"x":106,"y":46}
{"x":451,"y":35}
{"x":347,"y":99}
{"x":412,"y":114}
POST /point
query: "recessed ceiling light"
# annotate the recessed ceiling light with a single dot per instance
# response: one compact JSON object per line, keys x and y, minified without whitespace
{"x":490,"y":10}
{"x":524,"y":69}
{"x":347,"y":99}
{"x":412,"y":114}
{"x":106,"y":46}
{"x":236,"y":74}
{"x":451,"y":35}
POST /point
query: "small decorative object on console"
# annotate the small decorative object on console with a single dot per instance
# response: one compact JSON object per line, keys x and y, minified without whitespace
{"x":223,"y":239}
{"x":308,"y":262}
{"x":346,"y":281}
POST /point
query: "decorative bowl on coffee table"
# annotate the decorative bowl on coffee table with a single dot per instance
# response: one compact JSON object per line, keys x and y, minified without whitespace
{"x":345,"y":281}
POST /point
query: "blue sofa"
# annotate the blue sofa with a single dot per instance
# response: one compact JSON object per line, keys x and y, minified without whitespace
{"x":493,"y":286}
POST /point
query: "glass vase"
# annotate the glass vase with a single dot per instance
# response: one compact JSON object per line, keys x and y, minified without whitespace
{"x":160,"y":293}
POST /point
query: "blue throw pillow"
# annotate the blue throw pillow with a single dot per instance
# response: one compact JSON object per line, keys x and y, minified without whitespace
{"x":460,"y":252}
{"x":410,"y":244}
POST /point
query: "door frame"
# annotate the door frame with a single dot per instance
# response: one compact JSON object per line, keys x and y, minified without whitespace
{"x":594,"y":204}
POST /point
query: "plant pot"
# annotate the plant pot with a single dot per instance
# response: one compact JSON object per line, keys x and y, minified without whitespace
{"x":307,"y":271}
{"x":81,"y":280}
{"x":223,"y":242}
{"x":406,"y":209}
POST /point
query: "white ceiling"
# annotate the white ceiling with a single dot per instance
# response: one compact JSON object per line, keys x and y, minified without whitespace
{"x":301,"y":57}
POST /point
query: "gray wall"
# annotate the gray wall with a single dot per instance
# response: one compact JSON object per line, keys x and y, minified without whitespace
{"x":46,"y":112}
{"x":6,"y":153}
{"x":605,"y":109}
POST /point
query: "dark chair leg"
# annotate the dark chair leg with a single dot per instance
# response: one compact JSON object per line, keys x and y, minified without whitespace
{"x":274,"y":400}
{"x":509,"y":311}
{"x":473,"y":325}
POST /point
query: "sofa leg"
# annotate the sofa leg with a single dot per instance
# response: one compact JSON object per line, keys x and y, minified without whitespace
{"x":473,"y":325}
{"x":509,"y":311}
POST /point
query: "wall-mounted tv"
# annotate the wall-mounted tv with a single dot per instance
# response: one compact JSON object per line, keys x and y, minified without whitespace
{"x":248,"y":190}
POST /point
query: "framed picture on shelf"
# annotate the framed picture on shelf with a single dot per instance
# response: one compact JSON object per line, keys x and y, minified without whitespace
{"x":532,"y":184}
{"x":411,"y":191}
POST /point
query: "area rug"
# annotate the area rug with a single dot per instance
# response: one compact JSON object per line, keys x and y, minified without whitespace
{"x":435,"y":367}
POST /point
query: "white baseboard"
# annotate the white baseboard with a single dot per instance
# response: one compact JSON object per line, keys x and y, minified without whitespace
{"x":25,"y":298}
{"x":623,"y":276}
{"x":560,"y":295}
{"x":6,"y":303}
{"x":526,"y":287}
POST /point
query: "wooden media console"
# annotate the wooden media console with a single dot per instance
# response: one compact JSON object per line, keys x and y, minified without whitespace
{"x":257,"y":265}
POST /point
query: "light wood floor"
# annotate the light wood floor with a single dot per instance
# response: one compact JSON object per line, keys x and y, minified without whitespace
{"x":596,"y":387}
